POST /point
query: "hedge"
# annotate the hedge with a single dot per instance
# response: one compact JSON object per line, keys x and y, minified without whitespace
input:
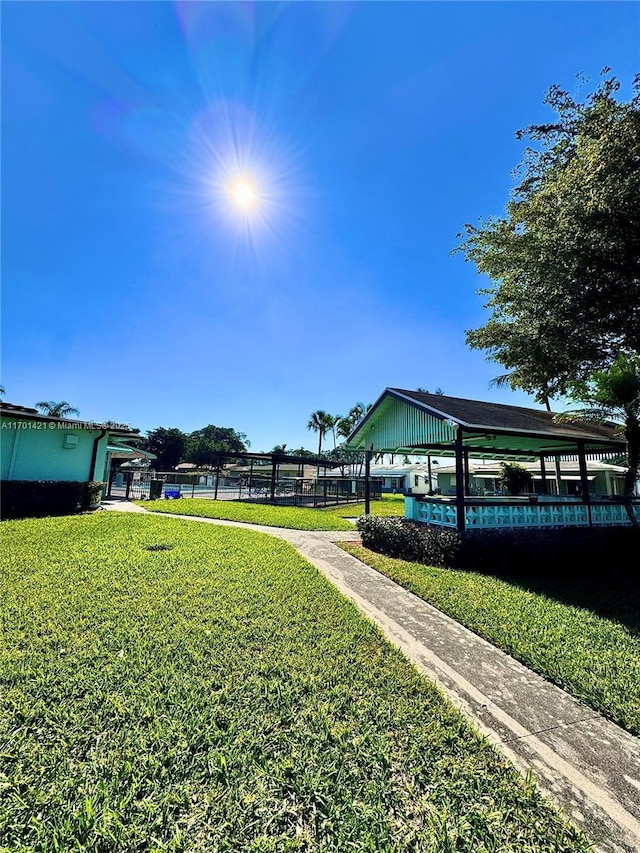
{"x":505,"y":551}
{"x":38,"y":498}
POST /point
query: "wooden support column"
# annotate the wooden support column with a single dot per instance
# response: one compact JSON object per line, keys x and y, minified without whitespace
{"x":467,"y":478}
{"x":558,"y":475}
{"x":584,"y":479}
{"x":430,"y":489}
{"x":543,"y":474}
{"x":459,"y":480}
{"x":367,"y":482}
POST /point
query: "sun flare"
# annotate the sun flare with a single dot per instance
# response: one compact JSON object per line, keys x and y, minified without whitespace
{"x":248,"y":181}
{"x":244,"y":195}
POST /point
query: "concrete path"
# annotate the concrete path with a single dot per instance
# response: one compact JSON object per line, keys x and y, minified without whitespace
{"x":586,"y":765}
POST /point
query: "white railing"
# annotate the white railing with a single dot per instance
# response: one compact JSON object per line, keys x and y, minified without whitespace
{"x":518,"y":514}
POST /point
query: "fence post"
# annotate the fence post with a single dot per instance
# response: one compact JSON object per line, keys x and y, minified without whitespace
{"x":273,"y":482}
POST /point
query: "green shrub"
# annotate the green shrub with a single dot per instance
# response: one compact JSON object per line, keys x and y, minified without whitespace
{"x":502,"y":551}
{"x":38,"y":498}
{"x":515,"y":478}
{"x":408,"y":540}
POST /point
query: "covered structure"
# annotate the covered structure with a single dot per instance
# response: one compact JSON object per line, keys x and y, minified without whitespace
{"x":276,"y":478}
{"x":414,"y":422}
{"x":40,"y":447}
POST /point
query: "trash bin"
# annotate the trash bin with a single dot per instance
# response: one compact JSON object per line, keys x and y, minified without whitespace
{"x":172,"y":493}
{"x":155,"y":489}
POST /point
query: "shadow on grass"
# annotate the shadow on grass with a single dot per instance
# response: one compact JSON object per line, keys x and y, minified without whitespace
{"x":598,"y":570}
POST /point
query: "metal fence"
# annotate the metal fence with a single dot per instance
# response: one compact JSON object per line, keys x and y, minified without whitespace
{"x":258,"y":488}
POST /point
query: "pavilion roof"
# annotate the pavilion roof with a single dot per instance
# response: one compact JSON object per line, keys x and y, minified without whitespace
{"x":416,"y":422}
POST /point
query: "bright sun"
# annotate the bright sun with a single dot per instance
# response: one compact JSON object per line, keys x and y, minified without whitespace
{"x":244,"y":195}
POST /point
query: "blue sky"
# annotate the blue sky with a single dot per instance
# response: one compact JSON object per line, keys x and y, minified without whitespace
{"x":134,"y":288}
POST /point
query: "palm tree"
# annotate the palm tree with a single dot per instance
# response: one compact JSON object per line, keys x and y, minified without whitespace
{"x":319,"y":422}
{"x":439,"y":392}
{"x":358,"y":411}
{"x":333,"y":422}
{"x":57,"y":410}
{"x":512,"y":380}
{"x":344,"y":427}
{"x":614,"y":394}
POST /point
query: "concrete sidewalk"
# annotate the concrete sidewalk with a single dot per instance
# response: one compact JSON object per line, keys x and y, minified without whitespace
{"x":586,"y":765}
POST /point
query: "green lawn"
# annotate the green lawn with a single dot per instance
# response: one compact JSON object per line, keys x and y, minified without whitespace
{"x":581,"y":634}
{"x":296,"y":518}
{"x":386,"y":506}
{"x":174,"y":686}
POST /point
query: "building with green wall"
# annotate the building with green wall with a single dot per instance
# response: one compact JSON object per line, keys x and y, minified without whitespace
{"x":36,"y":447}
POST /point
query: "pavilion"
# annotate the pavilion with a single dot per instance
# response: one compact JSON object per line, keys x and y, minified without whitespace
{"x":417,"y":423}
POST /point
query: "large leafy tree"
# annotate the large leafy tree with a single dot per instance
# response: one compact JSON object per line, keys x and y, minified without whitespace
{"x":54,"y":409}
{"x":302,"y":451}
{"x":564,"y":262}
{"x":169,"y":445}
{"x":614,"y":395}
{"x":208,"y":447}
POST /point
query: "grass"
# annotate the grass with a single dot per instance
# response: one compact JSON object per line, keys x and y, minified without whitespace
{"x":296,"y":518}
{"x":388,"y":505}
{"x":555,"y":626}
{"x":173,"y":686}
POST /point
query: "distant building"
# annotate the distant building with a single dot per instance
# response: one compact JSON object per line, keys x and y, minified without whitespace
{"x":405,"y":478}
{"x":605,"y":480}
